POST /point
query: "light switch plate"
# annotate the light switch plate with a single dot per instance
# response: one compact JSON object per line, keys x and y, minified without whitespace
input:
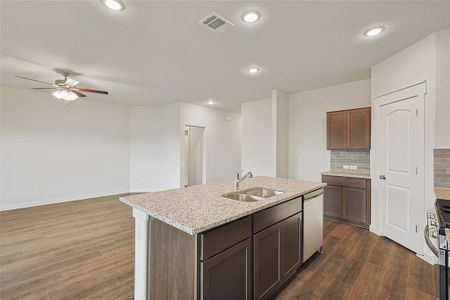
{"x":346,"y":167}
{"x":352,"y":167}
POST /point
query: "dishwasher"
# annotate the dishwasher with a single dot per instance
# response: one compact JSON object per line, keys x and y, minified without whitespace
{"x":312,"y":223}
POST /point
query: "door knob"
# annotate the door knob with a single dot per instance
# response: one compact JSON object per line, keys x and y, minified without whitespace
{"x":382,"y":177}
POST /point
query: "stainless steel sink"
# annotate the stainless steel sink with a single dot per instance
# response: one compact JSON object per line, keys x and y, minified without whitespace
{"x":262,"y":192}
{"x":252,"y":194}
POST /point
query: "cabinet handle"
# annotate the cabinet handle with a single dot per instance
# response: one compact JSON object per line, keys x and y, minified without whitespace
{"x":382,"y":177}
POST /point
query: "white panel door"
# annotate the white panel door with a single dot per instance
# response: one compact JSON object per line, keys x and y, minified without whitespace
{"x":402,"y":150}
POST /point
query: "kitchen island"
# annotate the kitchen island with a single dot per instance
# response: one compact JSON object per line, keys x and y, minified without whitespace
{"x":193,"y":243}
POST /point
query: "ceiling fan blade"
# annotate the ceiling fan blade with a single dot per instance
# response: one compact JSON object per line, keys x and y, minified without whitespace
{"x":92,"y":91}
{"x":78,"y":93}
{"x":34,"y":80}
{"x":43,"y":88}
{"x":71,"y":82}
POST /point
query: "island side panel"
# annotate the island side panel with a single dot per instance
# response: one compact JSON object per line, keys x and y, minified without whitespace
{"x":141,"y":234}
{"x":172,"y":262}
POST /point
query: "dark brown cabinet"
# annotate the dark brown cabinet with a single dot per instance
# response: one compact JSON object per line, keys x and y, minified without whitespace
{"x":228,"y":274}
{"x":290,"y":245}
{"x":277,"y":255}
{"x":337,"y":133}
{"x":253,"y":256}
{"x":354,"y":205}
{"x":348,"y":129}
{"x":267,"y":260}
{"x":332,"y":202}
{"x":347,"y":200}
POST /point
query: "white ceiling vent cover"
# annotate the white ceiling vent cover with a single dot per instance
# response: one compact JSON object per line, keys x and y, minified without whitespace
{"x":215,"y":22}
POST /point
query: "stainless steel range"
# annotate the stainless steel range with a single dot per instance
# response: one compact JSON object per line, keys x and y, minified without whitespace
{"x":436,"y":239}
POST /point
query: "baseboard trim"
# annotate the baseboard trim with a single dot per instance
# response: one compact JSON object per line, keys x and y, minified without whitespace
{"x":374,"y":230}
{"x":59,"y":200}
{"x":431,"y":259}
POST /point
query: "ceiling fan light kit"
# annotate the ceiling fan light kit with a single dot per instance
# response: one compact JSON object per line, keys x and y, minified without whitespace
{"x":65,"y":89}
{"x":65,"y":95}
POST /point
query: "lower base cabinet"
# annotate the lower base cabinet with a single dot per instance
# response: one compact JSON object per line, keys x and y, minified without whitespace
{"x":226,"y":275}
{"x":347,"y":200}
{"x":277,"y":255}
{"x":252,"y":257}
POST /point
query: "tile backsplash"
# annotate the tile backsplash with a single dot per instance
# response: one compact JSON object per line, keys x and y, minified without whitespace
{"x":442,"y":168}
{"x":359,"y":158}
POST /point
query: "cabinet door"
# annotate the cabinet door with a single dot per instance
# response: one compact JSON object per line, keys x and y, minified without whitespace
{"x":337,"y":134}
{"x":228,"y":274}
{"x":354,"y":204}
{"x":290,"y":243}
{"x":266,"y":261}
{"x":332,"y":202}
{"x":359,"y":128}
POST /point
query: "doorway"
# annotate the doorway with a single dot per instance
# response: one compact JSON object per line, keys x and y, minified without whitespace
{"x":399,"y":164}
{"x":194,"y":155}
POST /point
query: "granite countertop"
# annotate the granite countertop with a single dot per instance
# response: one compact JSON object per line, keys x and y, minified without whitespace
{"x":442,"y":193}
{"x":347,"y":174}
{"x":199,"y":208}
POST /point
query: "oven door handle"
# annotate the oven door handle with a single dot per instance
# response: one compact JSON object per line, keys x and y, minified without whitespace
{"x":426,"y":233}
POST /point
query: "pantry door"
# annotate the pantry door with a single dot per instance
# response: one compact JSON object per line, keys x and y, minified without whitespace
{"x":401,"y":144}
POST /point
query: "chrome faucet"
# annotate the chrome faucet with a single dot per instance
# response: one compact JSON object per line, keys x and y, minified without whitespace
{"x":239,"y":177}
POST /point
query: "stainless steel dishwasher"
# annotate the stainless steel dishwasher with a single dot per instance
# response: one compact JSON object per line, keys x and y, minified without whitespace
{"x":312,"y":223}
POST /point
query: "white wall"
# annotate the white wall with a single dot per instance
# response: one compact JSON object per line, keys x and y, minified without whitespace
{"x":426,"y":60}
{"x":308,"y":154}
{"x":412,"y":65}
{"x":221,"y":137}
{"x":280,"y":115}
{"x":51,"y":152}
{"x":154,"y":148}
{"x":257,"y":137}
{"x":443,"y":89}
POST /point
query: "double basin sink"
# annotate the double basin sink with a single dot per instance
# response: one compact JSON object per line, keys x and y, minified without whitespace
{"x":253,"y":194}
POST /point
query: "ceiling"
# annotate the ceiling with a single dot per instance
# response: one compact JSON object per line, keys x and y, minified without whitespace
{"x":157,"y":52}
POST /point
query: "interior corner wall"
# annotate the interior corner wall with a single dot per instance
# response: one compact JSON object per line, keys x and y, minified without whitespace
{"x":443,"y":89}
{"x":52,"y":152}
{"x":412,"y":65}
{"x":154,"y":148}
{"x":222,"y":140}
{"x":256,"y":137}
{"x":308,"y":154}
{"x":425,"y":60}
{"x":280,"y":124}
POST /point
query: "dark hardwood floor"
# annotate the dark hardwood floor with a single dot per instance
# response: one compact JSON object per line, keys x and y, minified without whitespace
{"x":85,"y":250}
{"x":357,"y":264}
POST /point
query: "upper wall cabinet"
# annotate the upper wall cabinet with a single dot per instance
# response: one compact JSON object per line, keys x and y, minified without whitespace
{"x":348,"y":129}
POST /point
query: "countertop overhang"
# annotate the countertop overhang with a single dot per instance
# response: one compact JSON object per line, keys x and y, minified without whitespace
{"x":347,"y":174}
{"x":199,"y":208}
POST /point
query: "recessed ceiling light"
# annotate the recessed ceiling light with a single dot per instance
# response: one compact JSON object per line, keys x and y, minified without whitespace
{"x":250,"y":16}
{"x":374,"y":31}
{"x":115,"y":5}
{"x":210,"y":101}
{"x":253,"y":70}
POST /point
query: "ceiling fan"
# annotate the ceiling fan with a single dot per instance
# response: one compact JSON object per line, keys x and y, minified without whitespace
{"x":65,"y":89}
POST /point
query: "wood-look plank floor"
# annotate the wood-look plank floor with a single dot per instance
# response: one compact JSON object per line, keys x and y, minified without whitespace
{"x":357,"y":264}
{"x":85,"y":250}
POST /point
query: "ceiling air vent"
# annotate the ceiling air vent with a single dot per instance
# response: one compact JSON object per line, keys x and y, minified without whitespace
{"x":215,"y":22}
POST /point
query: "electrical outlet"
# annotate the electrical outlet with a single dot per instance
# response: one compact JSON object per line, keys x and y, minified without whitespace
{"x":352,"y":167}
{"x":346,"y":167}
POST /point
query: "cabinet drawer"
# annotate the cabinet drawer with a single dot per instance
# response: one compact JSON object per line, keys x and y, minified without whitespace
{"x":275,"y":214}
{"x":357,"y":183}
{"x":223,"y":237}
